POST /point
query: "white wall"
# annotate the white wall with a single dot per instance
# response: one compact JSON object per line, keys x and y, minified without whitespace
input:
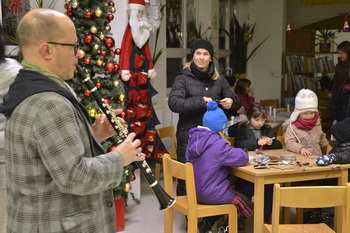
{"x":301,"y":15}
{"x":264,"y":68}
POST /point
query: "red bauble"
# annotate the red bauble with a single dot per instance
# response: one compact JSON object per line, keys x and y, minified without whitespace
{"x":88,"y":38}
{"x":69,"y":13}
{"x":109,"y":66}
{"x":109,"y":42}
{"x":112,"y":148}
{"x":123,"y":115}
{"x":88,"y":14}
{"x":107,"y":101}
{"x":107,"y":21}
{"x":103,"y":53}
{"x":69,"y":8}
{"x":111,"y":52}
{"x":116,"y":66}
{"x":87,"y":61}
{"x":118,"y":51}
{"x":110,"y":17}
{"x":87,"y":92}
{"x":111,"y":3}
{"x":98,"y":85}
{"x":133,"y":177}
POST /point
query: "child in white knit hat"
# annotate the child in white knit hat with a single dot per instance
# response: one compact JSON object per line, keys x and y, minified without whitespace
{"x":303,"y":131}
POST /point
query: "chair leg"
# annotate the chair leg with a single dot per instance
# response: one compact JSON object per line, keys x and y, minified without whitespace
{"x":192,"y":224}
{"x":169,"y":220}
{"x":157,"y":171}
{"x":232,"y":223}
{"x":299,"y":216}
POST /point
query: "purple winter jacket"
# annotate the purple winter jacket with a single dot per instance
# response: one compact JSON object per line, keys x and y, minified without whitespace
{"x":211,"y":156}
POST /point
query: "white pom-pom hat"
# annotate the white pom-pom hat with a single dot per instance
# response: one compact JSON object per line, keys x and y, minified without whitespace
{"x":305,"y":100}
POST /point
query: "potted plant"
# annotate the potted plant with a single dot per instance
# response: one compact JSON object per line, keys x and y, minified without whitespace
{"x":325,"y":38}
{"x":242,"y":36}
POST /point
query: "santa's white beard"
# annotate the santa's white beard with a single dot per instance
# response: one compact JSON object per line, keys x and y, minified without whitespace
{"x":139,"y":29}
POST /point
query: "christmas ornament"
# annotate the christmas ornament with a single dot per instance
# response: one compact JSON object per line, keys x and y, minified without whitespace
{"x":107,"y":101}
{"x":92,"y":112}
{"x":110,"y":17}
{"x":96,"y":46}
{"x":116,"y":66}
{"x":109,"y":42}
{"x":123,"y":115}
{"x":133,"y":177}
{"x":75,"y":4}
{"x":122,"y":98}
{"x":107,"y":21}
{"x":87,"y":61}
{"x":118,"y":51}
{"x":127,"y":187}
{"x":109,"y":66}
{"x":113,"y":10}
{"x":116,"y":83}
{"x":108,"y":27}
{"x":69,"y":13}
{"x":82,"y":53}
{"x":112,"y":148}
{"x":69,"y":8}
{"x":102,"y":36}
{"x":126,"y":172}
{"x":93,"y":29}
{"x":111,"y":52}
{"x":346,"y":24}
{"x":289,"y":30}
{"x":88,"y":38}
{"x":99,"y":62}
{"x":98,"y":12}
{"x":111,"y":3}
{"x":98,"y":85}
{"x":87,"y":92}
{"x":103,"y":53}
{"x":88,"y":14}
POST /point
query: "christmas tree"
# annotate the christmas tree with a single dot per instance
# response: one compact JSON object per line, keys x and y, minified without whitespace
{"x":97,"y":56}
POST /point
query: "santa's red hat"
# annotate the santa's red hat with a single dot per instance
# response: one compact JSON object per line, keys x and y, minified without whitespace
{"x":137,"y":4}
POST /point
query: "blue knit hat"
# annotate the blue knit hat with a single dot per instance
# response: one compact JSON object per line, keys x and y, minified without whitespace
{"x":214,"y":118}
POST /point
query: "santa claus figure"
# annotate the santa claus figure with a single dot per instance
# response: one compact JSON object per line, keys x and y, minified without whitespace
{"x":136,"y":55}
{"x":136,"y":70}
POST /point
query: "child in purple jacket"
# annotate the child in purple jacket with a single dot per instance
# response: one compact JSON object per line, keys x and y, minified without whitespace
{"x":211,"y":156}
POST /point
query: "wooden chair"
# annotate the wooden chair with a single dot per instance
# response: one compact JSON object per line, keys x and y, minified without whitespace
{"x":270,"y":102}
{"x":188,"y":205}
{"x":166,"y":132}
{"x":309,"y":197}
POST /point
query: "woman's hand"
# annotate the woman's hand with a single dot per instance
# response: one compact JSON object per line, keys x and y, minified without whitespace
{"x":226,"y":103}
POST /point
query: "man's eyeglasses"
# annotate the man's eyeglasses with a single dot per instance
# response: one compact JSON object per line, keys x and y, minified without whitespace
{"x":75,"y":45}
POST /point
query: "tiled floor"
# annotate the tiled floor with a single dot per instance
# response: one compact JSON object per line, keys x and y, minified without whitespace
{"x":145,"y":218}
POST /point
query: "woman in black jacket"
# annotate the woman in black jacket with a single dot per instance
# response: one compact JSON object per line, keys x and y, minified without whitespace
{"x":197,"y":84}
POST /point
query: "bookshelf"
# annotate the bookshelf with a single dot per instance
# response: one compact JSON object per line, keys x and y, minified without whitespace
{"x":304,"y":70}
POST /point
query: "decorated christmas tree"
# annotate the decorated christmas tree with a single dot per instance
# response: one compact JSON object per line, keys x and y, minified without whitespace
{"x":98,"y":57}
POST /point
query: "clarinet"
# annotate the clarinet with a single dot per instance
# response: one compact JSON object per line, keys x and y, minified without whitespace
{"x":164,"y":199}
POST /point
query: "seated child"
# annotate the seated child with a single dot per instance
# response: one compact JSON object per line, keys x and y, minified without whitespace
{"x":211,"y":155}
{"x":340,"y":153}
{"x":254,"y":134}
{"x":303,"y":131}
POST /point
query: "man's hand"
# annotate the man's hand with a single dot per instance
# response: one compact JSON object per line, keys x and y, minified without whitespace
{"x":130,"y":149}
{"x":103,"y":128}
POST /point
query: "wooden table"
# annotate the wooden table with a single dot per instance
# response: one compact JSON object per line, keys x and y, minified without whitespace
{"x":260,"y":177}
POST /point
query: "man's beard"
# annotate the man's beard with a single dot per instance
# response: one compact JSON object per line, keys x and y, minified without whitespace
{"x":139,"y":29}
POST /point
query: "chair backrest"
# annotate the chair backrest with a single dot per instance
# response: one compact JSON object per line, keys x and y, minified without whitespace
{"x":174,"y":169}
{"x":270,"y":102}
{"x":311,"y":197}
{"x":169,"y":132}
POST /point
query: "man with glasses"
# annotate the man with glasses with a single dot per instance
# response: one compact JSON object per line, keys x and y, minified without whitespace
{"x":59,"y":179}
